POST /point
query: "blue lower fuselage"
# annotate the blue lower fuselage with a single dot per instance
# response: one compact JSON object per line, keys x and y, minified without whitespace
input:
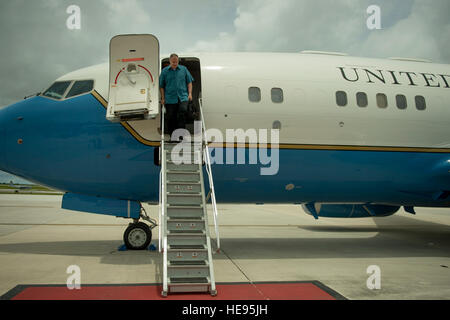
{"x":69,"y":145}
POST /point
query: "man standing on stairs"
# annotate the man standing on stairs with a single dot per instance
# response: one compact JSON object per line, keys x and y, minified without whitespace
{"x":175,"y":84}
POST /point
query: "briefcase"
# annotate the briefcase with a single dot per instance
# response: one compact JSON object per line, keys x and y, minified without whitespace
{"x":192,"y":113}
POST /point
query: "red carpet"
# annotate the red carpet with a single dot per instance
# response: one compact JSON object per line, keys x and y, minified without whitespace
{"x":313,"y":290}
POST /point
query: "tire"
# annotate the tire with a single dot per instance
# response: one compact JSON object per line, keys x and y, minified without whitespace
{"x":137,"y":236}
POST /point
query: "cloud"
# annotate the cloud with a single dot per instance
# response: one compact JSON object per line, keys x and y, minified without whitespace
{"x":128,"y":16}
{"x":413,"y":28}
{"x":42,"y":48}
{"x":425,"y":33}
{"x":37,"y":47}
{"x":290,"y":25}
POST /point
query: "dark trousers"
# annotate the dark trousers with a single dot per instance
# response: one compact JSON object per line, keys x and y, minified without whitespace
{"x":175,"y":116}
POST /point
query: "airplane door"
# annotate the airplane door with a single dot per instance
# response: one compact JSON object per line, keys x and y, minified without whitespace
{"x":133,"y":77}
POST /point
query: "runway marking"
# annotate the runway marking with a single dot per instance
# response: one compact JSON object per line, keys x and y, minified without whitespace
{"x":242,"y":271}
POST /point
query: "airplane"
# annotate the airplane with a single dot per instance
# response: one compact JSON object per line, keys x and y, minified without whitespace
{"x":358,"y":137}
{"x":20,"y":187}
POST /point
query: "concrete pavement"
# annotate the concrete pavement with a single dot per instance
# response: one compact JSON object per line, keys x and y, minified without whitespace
{"x":39,"y":240}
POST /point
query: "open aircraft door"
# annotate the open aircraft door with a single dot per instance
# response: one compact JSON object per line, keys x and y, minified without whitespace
{"x":133,"y":77}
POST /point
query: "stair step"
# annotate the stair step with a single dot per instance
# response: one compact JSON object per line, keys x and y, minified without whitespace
{"x":185,"y":271}
{"x":184,"y":187}
{"x":181,"y":207}
{"x":186,"y":263}
{"x":182,"y":176}
{"x":184,"y":183}
{"x":181,"y":154}
{"x":186,"y":219}
{"x":187,"y":158}
{"x":172,"y":166}
{"x":190,"y":239}
{"x":187,"y":247}
{"x":184,"y":255}
{"x":178,"y":163}
{"x":186,"y":232}
{"x":179,"y":280}
{"x":180,"y":194}
{"x":185,"y":194}
{"x":184,"y":198}
{"x":196,"y":171}
{"x":183,"y":142}
{"x":192,"y":225}
{"x":174,"y":211}
{"x":185,"y":151}
{"x":191,"y":157}
{"x":171,"y":145}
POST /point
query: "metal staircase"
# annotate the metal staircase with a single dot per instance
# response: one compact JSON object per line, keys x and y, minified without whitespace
{"x":184,"y":229}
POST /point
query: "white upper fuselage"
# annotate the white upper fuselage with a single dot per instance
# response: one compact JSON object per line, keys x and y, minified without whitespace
{"x":309,"y":114}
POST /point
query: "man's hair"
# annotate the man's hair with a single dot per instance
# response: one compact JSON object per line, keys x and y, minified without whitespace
{"x":173,"y":55}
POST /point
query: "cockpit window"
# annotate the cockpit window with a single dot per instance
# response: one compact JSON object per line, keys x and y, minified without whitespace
{"x":57,"y":90}
{"x":80,"y":87}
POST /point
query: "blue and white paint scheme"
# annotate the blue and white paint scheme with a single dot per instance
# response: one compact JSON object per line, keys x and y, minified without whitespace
{"x":339,"y":161}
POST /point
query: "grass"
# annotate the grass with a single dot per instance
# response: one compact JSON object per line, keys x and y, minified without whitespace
{"x":28,"y":190}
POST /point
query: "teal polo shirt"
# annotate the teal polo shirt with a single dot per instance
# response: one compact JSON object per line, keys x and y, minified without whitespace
{"x":174,"y":82}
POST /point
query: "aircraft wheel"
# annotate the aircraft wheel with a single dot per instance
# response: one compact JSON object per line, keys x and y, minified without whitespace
{"x":137,"y":236}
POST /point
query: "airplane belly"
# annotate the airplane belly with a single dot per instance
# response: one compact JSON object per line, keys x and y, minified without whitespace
{"x":334,"y":176}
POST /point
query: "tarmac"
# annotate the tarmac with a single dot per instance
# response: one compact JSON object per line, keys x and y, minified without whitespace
{"x":259,"y":243}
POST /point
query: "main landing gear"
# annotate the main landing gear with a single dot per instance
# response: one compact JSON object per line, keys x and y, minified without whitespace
{"x":138,"y":235}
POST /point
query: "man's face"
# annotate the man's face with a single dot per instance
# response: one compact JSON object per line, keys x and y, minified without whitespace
{"x":174,"y":62}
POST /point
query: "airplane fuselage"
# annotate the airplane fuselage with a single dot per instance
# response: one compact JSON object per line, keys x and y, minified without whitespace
{"x":371,"y":147}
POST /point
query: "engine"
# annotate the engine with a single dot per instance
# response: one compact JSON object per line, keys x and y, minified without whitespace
{"x":349,"y":210}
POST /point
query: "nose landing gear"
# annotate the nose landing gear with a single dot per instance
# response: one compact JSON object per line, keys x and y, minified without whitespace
{"x":138,"y":235}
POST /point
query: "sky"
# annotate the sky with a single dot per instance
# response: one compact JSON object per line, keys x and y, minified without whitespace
{"x":37,"y":47}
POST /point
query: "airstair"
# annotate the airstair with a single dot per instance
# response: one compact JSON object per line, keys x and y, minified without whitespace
{"x":184,"y":236}
{"x":184,"y":230}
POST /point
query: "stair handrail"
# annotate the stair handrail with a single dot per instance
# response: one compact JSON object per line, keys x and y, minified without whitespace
{"x":213,"y":289}
{"x":210,"y":176}
{"x":161,"y":183}
{"x":160,"y":213}
{"x":162,"y":202}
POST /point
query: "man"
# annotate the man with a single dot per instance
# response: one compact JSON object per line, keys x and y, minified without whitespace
{"x":175,"y":84}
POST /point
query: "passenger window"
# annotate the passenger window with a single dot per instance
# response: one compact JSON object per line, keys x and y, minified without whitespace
{"x":420,"y":103}
{"x":401,"y":102}
{"x":254,"y":94}
{"x":277,"y":95}
{"x":57,"y":90}
{"x":80,"y":87}
{"x":361,"y":99}
{"x":382,"y":100}
{"x":341,"y":98}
